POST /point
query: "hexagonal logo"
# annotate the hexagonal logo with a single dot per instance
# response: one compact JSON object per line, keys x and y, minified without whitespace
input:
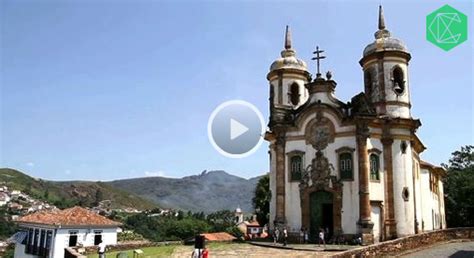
{"x":446,"y":27}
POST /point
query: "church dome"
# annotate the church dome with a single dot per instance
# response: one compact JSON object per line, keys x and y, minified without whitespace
{"x":288,"y":58}
{"x":385,"y":44}
{"x":384,"y":40}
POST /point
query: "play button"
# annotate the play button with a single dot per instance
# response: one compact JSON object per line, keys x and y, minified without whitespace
{"x":236,"y":128}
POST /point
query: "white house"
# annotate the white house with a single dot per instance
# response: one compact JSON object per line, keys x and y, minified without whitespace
{"x":49,"y":233}
{"x":4,"y":198}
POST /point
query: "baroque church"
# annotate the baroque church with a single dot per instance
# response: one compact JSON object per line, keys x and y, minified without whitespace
{"x":351,"y":168}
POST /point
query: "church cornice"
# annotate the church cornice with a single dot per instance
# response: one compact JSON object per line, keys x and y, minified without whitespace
{"x":385,"y":55}
{"x":298,"y":74}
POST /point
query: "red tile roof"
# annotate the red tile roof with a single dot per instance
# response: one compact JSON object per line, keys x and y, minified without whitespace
{"x":219,"y":236}
{"x":75,"y":216}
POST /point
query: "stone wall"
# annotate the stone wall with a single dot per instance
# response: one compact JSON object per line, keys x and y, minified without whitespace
{"x":397,"y":246}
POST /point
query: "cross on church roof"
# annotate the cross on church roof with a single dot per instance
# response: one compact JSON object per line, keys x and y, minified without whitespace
{"x":317,"y":58}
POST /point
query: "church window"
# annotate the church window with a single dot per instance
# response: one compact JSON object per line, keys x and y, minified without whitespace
{"x":295,"y":94}
{"x":374,"y":167}
{"x":345,"y":166}
{"x":398,"y":80}
{"x":296,"y":167}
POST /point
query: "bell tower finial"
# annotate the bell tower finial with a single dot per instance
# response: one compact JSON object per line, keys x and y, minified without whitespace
{"x":381,"y":18}
{"x":287,"y":38}
{"x":382,"y":32}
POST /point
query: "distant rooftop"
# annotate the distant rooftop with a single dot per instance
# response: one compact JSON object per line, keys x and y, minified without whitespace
{"x":219,"y":236}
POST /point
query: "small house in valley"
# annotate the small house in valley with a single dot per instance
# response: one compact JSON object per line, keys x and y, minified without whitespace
{"x":50,"y":233}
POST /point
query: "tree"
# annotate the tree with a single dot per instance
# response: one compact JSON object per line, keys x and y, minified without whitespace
{"x":99,"y":196}
{"x":261,"y":200}
{"x":221,"y":220}
{"x":46,"y":194}
{"x":459,"y":188}
{"x":7,"y":227}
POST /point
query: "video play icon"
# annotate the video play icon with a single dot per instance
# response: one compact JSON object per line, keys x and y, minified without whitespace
{"x":236,"y":128}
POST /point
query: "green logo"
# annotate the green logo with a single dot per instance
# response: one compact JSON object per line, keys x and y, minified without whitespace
{"x":446,"y":27}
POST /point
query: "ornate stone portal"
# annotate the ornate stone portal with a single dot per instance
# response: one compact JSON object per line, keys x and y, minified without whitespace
{"x":317,"y":176}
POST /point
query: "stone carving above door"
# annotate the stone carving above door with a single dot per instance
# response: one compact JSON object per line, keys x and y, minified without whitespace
{"x":319,"y":132}
{"x":318,"y":174}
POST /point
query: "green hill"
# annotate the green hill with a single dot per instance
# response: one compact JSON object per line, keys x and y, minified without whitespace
{"x":66,"y":194}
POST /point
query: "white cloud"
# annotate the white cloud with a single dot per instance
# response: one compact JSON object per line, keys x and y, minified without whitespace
{"x":155,"y":173}
{"x":30,"y":164}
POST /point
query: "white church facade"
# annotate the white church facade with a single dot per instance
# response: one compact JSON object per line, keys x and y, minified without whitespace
{"x":353,"y":168}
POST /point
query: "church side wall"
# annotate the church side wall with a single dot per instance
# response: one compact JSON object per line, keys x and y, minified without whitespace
{"x":426,"y":201}
{"x":402,"y":177}
{"x":435,"y":208}
{"x":441,"y":203}
{"x":418,"y":197}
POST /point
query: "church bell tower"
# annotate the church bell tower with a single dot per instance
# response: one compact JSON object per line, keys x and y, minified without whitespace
{"x":288,"y":76}
{"x":385,"y":67}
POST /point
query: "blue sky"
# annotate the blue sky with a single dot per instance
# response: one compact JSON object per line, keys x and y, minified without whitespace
{"x":115,"y":89}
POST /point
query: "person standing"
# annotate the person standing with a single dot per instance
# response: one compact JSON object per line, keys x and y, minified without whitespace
{"x":285,"y":237}
{"x":321,"y":238}
{"x":276,"y":234}
{"x":205,"y":253}
{"x":301,"y":235}
{"x":305,"y":236}
{"x":101,"y":249}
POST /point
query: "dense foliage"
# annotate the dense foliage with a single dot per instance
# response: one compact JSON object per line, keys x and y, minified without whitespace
{"x":7,"y":227}
{"x":180,"y":226}
{"x":459,"y":188}
{"x":261,"y":200}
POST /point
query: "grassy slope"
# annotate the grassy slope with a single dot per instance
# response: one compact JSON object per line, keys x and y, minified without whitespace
{"x":156,"y":251}
{"x":74,"y":192}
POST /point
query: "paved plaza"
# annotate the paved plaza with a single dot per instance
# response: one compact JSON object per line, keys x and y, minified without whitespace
{"x":248,"y":250}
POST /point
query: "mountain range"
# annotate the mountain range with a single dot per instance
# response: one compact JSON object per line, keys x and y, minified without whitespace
{"x":207,"y":191}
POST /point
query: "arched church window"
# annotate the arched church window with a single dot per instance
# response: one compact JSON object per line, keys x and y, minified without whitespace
{"x":296,"y":167}
{"x":345,"y":166}
{"x":374,"y":167}
{"x":398,"y":80}
{"x":295,"y":94}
